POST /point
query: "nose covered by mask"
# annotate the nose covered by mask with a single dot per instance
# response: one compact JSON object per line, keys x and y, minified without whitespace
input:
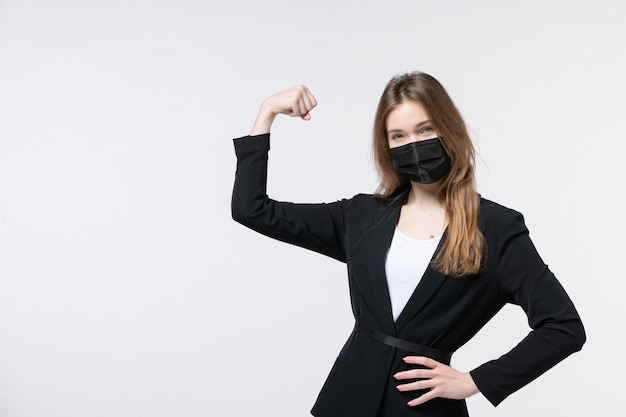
{"x":424,"y":162}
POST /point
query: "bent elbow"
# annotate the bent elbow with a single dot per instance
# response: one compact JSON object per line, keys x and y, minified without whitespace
{"x":580,"y":337}
{"x":240,"y":214}
{"x":239,"y":207}
{"x":236,"y":213}
{"x":573,"y":337}
{"x":566,"y":337}
{"x":249,"y":213}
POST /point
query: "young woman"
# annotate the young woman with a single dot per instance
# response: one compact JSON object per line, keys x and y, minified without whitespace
{"x":429,"y":261}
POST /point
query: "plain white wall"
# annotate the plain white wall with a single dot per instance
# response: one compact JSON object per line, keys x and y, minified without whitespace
{"x":127,"y":290}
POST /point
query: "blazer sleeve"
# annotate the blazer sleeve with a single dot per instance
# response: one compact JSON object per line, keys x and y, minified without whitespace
{"x":319,"y":227}
{"x":525,"y":280}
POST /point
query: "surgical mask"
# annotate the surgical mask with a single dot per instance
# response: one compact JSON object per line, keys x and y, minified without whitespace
{"x":424,"y":161}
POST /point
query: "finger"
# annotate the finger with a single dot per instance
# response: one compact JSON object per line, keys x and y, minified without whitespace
{"x":414,"y":373}
{"x":306,"y":102}
{"x":306,"y":112}
{"x":302,"y":106}
{"x":421,"y":400}
{"x":417,"y":385}
{"x":309,"y":101}
{"x":304,"y":91}
{"x":421,"y":360}
{"x":306,"y":108}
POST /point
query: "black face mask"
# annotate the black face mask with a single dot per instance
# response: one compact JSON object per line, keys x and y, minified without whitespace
{"x":425,"y":161}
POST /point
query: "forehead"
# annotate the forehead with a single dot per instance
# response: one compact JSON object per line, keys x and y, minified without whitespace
{"x":408,"y":112}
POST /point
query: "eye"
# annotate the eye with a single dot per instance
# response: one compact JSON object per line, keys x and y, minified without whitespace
{"x":395,"y":136}
{"x":427,"y":130}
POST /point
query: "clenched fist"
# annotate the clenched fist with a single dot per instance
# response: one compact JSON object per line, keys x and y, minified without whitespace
{"x":296,"y":102}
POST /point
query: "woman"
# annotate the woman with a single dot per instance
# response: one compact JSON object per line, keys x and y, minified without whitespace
{"x":429,"y":261}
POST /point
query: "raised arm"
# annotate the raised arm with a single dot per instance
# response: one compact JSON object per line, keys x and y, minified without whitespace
{"x":319,"y":227}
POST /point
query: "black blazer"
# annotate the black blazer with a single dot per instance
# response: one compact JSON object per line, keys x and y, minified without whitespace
{"x":443,"y":312}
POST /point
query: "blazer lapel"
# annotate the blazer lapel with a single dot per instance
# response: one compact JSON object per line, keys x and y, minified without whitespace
{"x":428,"y":285}
{"x":378,"y":240}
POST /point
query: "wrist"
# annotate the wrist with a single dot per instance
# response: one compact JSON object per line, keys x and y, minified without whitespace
{"x":471,"y":385}
{"x":263,"y":121}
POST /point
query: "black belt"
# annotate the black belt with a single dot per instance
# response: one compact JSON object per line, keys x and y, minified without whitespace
{"x":414,"y":348}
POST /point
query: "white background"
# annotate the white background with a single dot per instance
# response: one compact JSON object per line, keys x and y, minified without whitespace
{"x":127,"y":290}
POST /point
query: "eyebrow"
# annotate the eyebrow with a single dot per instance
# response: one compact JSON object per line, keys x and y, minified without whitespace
{"x":425,"y":122}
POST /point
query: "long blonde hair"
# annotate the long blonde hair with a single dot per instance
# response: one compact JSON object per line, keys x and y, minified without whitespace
{"x":463,"y":248}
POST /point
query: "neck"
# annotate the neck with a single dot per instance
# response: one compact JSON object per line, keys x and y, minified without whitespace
{"x":423,"y":216}
{"x":423,"y":194}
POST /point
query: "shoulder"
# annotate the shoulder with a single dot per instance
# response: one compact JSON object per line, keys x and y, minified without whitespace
{"x":364,"y":208}
{"x":496,"y":218}
{"x":367,"y":202}
{"x":489,"y":209}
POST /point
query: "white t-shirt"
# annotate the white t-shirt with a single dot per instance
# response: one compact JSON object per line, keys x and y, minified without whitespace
{"x":406,"y":263}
